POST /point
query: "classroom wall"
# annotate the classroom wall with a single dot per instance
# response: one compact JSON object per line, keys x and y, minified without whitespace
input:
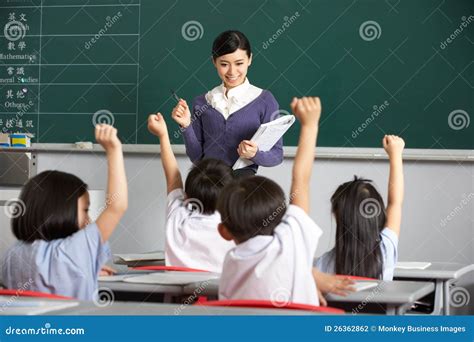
{"x":437,"y":217}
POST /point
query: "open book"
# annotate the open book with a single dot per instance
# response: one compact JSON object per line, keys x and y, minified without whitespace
{"x":267,"y":136}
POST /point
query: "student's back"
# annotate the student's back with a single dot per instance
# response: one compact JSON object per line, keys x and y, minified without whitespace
{"x":275,"y":243}
{"x":59,"y":251}
{"x":192,"y":239}
{"x":367,"y":233}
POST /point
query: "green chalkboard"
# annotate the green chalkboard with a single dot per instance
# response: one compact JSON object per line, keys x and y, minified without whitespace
{"x":403,"y":67}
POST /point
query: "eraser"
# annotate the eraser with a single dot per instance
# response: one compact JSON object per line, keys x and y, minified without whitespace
{"x":84,"y":145}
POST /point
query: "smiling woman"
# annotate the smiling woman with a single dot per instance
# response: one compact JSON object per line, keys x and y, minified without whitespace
{"x":226,"y":117}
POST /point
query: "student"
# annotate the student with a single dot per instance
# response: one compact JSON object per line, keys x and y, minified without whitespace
{"x":59,"y":250}
{"x":192,"y":239}
{"x":367,"y":234}
{"x":226,"y":117}
{"x":275,"y":243}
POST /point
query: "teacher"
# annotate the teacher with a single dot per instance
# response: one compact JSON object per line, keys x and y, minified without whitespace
{"x":226,"y":117}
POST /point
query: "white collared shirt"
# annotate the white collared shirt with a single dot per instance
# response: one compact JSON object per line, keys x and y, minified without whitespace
{"x":192,"y":238}
{"x":275,"y":268}
{"x":236,"y":98}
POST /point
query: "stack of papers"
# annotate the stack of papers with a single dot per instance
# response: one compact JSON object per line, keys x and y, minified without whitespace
{"x":267,"y":136}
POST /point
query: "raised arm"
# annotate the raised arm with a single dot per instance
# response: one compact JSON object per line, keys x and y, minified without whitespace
{"x":308,"y":112}
{"x":394,"y":145}
{"x":157,"y":126}
{"x":117,"y":192}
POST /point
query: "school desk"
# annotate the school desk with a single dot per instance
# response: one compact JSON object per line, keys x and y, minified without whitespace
{"x":147,"y":309}
{"x":394,"y":297}
{"x":128,"y":291}
{"x":123,"y":291}
{"x":389,"y":297}
{"x":442,"y":274}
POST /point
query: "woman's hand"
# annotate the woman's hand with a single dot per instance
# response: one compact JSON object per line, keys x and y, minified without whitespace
{"x":181,"y":114}
{"x":247,"y":149}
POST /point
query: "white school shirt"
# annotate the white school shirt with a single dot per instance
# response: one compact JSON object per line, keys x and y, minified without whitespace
{"x":192,"y":238}
{"x":277,"y":267}
{"x":388,"y":244}
{"x":236,"y":98}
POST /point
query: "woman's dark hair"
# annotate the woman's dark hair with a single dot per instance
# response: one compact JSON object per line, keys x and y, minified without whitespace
{"x":228,"y":42}
{"x":251,"y":206}
{"x":360,"y":217}
{"x":47,"y":209}
{"x":205,"y":182}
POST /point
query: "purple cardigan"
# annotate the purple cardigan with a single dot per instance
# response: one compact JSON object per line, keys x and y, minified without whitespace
{"x":210,"y":135}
